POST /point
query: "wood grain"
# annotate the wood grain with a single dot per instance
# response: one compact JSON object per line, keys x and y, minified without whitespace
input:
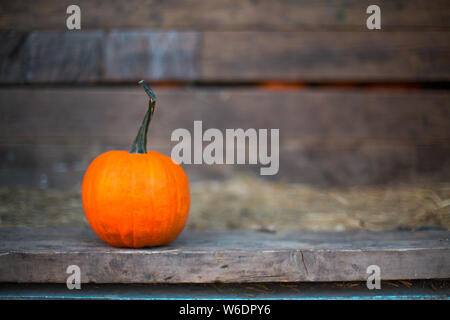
{"x":357,"y":164}
{"x":93,"y":115}
{"x":401,"y":290}
{"x":326,"y":56}
{"x":327,"y":137}
{"x":43,"y":255}
{"x":95,"y":56}
{"x":225,"y":15}
{"x":185,"y":56}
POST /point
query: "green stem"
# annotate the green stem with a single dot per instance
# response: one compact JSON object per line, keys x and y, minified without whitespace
{"x":140,"y":142}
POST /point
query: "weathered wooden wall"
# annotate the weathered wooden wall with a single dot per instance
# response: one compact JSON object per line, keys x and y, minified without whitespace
{"x":354,"y":107}
{"x":259,"y":15}
{"x":124,"y":56}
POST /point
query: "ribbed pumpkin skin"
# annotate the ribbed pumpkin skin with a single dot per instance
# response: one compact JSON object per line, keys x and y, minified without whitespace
{"x":136,"y":200}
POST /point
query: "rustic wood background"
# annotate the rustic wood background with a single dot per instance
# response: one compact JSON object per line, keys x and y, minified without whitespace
{"x":41,"y":255}
{"x":354,"y":106}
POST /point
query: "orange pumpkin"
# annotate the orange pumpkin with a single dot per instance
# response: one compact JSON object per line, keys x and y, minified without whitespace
{"x":139,"y":198}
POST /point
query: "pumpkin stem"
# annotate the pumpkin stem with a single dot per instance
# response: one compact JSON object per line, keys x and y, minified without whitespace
{"x":140,"y":142}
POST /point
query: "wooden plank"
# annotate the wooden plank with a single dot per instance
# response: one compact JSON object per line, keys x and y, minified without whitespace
{"x":326,"y":56}
{"x":225,"y":15}
{"x":82,"y":115}
{"x":128,"y":56}
{"x":155,"y":55}
{"x":357,"y":164}
{"x":436,"y":289}
{"x":48,"y":137}
{"x":43,"y":255}
{"x":53,"y":57}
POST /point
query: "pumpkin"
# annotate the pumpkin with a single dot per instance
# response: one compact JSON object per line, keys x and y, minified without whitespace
{"x":138,"y":198}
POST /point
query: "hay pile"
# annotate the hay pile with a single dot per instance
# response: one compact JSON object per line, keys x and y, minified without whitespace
{"x":246,"y":202}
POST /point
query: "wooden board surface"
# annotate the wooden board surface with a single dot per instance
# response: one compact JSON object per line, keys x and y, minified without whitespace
{"x":204,"y":49}
{"x":43,"y":255}
{"x":80,"y":115}
{"x":327,"y":56}
{"x":187,"y":56}
{"x":53,"y":134}
{"x":437,"y":289}
{"x":225,"y":15}
{"x":364,"y":164}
